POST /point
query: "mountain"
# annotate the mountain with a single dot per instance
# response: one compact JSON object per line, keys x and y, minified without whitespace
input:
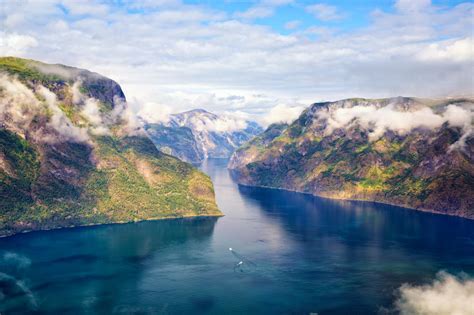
{"x":72,"y":154}
{"x":196,"y":135}
{"x":416,"y":153}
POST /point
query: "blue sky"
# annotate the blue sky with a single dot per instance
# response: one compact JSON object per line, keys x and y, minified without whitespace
{"x":252,"y":57}
{"x":355,"y":13}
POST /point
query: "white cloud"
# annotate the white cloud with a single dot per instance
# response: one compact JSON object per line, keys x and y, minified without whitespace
{"x":179,"y":55}
{"x":92,"y":113}
{"x":155,"y":113}
{"x":256,"y":13}
{"x":447,"y":295}
{"x":282,"y":114}
{"x":380,"y":119}
{"x":262,"y":9}
{"x":324,"y":12}
{"x":16,"y":44}
{"x":18,"y":104}
{"x":412,"y":5}
{"x":206,"y":122}
{"x":228,"y":123}
{"x":60,"y":122}
{"x":461,"y":50}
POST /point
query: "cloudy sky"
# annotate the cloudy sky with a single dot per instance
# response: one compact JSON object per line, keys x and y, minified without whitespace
{"x":264,"y":59}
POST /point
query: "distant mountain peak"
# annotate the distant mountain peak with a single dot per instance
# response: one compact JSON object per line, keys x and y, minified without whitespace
{"x":196,"y":110}
{"x":211,"y":135}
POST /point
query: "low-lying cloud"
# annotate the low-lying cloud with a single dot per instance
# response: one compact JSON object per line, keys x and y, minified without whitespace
{"x":154,"y":113}
{"x":282,"y":114}
{"x":446,"y":295}
{"x":227,"y":123}
{"x":17,"y":103}
{"x":60,"y":122}
{"x":220,"y":123}
{"x":209,"y":122}
{"x":381,"y":119}
{"x":20,"y":104}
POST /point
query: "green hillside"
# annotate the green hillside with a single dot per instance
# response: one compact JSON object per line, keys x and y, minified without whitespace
{"x":70,"y":154}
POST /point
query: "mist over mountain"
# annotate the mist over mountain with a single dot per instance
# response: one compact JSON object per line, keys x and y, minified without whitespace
{"x":197,"y":134}
{"x":411,"y":152}
{"x":71,"y":153}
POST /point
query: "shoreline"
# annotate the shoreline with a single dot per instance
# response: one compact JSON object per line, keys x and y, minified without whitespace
{"x":112,"y":223}
{"x":358,"y":200}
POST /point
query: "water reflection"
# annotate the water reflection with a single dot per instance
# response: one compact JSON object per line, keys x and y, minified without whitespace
{"x":366,"y":248}
{"x":310,"y":255}
{"x":311,"y":217}
{"x":91,"y":269}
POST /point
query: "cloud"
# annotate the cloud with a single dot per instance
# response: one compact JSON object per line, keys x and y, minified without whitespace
{"x":16,"y":44}
{"x":228,"y":123}
{"x":256,"y":13}
{"x":379,"y":119}
{"x":177,"y":55}
{"x":263,"y":9}
{"x":155,"y":113}
{"x":92,"y":113}
{"x":18,"y":104}
{"x":60,"y":122}
{"x":324,"y":12}
{"x":451,"y":50}
{"x":447,"y":294}
{"x":410,"y":6}
{"x":282,"y":114}
{"x":205,"y":122}
{"x":77,"y":96}
{"x":68,"y":73}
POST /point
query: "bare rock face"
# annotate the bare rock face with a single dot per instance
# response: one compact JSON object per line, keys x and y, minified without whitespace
{"x":411,"y":152}
{"x":72,"y":154}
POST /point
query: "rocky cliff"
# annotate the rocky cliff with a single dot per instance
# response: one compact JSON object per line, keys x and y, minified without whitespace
{"x":411,"y":152}
{"x":72,"y":154}
{"x":196,"y":135}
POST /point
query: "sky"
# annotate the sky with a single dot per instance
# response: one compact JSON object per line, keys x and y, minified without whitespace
{"x":259,"y":59}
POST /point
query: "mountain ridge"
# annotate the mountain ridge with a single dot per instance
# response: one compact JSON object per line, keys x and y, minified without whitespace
{"x":198,"y":134}
{"x":404,"y":151}
{"x":73,"y":154}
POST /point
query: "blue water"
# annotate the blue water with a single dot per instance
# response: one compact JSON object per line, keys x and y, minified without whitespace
{"x":309,"y":255}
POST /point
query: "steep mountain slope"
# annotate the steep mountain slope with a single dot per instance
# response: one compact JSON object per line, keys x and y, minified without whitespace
{"x":197,"y":134}
{"x":72,"y":154}
{"x":411,"y":152}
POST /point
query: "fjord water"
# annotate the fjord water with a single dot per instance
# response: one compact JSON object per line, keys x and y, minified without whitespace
{"x":311,"y":255}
